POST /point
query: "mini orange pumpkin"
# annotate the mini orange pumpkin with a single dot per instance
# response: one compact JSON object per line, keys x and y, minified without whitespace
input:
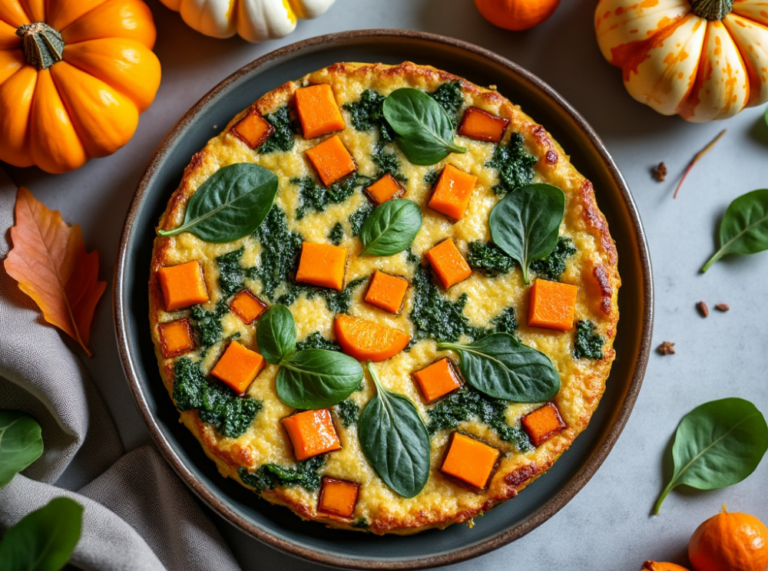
{"x":729,"y":542}
{"x":516,"y":15}
{"x":74,"y":76}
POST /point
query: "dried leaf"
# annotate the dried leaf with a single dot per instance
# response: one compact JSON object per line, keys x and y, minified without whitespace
{"x":52,"y":267}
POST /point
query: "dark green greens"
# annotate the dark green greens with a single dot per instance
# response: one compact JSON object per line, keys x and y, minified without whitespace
{"x":231,"y":273}
{"x":348,"y":412}
{"x":553,"y":266}
{"x":208,"y":324}
{"x":489,"y":259}
{"x":316,"y":340}
{"x":21,"y":443}
{"x":316,"y":198}
{"x":367,"y":114}
{"x":514,"y":165}
{"x":283,"y":137}
{"x":589,"y":343}
{"x":270,"y":476}
{"x":336,"y":234}
{"x":449,"y":97}
{"x":359,"y":216}
{"x":433,"y":315}
{"x":391,"y":228}
{"x":280,"y":251}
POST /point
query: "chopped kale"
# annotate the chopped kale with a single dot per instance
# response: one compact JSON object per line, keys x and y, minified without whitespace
{"x":208,"y":323}
{"x":433,"y":315}
{"x":270,"y":476}
{"x":449,"y":97}
{"x":335,"y":301}
{"x":317,"y":341}
{"x":431,"y":178}
{"x":553,"y":266}
{"x":505,"y":322}
{"x":468,"y":403}
{"x":336,"y":235}
{"x":231,"y":273}
{"x":215,"y":403}
{"x":589,"y":343}
{"x":357,"y":218}
{"x":489,"y":259}
{"x":410,"y":257}
{"x":283,"y":137}
{"x":348,"y":412}
{"x":387,"y":163}
{"x":514,"y":164}
{"x":315,"y":198}
{"x":361,"y":523}
{"x":367,"y":114}
{"x":280,"y":250}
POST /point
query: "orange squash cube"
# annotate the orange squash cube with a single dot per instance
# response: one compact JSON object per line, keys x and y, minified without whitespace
{"x":331,"y":160}
{"x":176,"y":338}
{"x":481,"y":125}
{"x":387,"y":292}
{"x":470,"y":460}
{"x":448,"y":263}
{"x":543,"y":423}
{"x":338,"y":497}
{"x":238,"y":367}
{"x":183,"y":285}
{"x":252,"y":129}
{"x":312,"y":432}
{"x":247,"y":307}
{"x":437,"y":380}
{"x":452,"y":192}
{"x":386,"y":188}
{"x":318,"y":112}
{"x":322,"y":265}
{"x":552,"y":305}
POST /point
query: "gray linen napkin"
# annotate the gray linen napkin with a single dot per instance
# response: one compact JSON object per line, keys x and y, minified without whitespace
{"x":138,"y":514}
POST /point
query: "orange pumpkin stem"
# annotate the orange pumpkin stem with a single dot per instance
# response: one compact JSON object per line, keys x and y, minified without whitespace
{"x":712,"y":9}
{"x":42,"y":45}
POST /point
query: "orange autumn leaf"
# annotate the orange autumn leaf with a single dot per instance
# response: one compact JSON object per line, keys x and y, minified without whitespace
{"x":52,"y":267}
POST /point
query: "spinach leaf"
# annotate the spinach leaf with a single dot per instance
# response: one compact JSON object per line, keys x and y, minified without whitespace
{"x":20,"y":443}
{"x":744,"y":228}
{"x":424,"y":130}
{"x":526,"y":223}
{"x":276,"y":334}
{"x":232,"y":203}
{"x":717,"y":444}
{"x":502,"y":367}
{"x":317,"y":378}
{"x":391,"y":228}
{"x":44,"y":539}
{"x":394,"y":439}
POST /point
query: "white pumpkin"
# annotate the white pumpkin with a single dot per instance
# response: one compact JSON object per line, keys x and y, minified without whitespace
{"x":703,"y":59}
{"x":253,"y":20}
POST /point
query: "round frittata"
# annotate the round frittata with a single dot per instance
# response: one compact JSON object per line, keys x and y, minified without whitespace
{"x":337,"y":160}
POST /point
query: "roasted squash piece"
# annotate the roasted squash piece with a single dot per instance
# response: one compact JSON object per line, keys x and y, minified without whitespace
{"x":386,"y":291}
{"x":312,"y":432}
{"x":318,"y":112}
{"x":338,"y":497}
{"x":183,"y":285}
{"x":452,"y":192}
{"x":322,"y":265}
{"x":470,"y":460}
{"x":176,"y":338}
{"x":252,"y":129}
{"x":448,"y":263}
{"x":367,"y":340}
{"x":481,"y":125}
{"x":247,"y":306}
{"x":331,"y":160}
{"x":552,"y":305}
{"x":386,"y":188}
{"x":543,"y":423}
{"x":238,"y":366}
{"x":437,"y":380}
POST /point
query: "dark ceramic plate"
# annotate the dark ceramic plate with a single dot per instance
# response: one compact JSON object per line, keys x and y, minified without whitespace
{"x":277,"y":526}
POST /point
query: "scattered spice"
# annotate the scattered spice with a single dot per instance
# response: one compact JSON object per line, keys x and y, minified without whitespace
{"x":660,"y":172}
{"x":667,"y":348}
{"x":697,"y":158}
{"x":703,"y":309}
{"x":722,"y":307}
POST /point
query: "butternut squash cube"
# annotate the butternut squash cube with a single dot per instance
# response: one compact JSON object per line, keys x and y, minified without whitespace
{"x":331,"y":160}
{"x":176,"y":338}
{"x":183,"y":285}
{"x":452,"y":192}
{"x":448,"y":263}
{"x":437,"y":380}
{"x":386,"y":188}
{"x":481,"y":125}
{"x":322,"y":265}
{"x":318,"y":112}
{"x":253,"y":129}
{"x":338,"y":497}
{"x":470,"y":460}
{"x":543,"y":423}
{"x":387,"y":292}
{"x":552,"y":305}
{"x":247,"y":306}
{"x":312,"y":432}
{"x":238,"y":367}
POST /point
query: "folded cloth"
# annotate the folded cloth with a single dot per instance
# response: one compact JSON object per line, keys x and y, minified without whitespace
{"x":138,"y":514}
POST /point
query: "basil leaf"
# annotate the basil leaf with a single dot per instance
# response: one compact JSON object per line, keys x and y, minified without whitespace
{"x":44,"y":539}
{"x":391,"y":228}
{"x":526,"y":223}
{"x":276,"y":334}
{"x":744,"y":228}
{"x":395,"y":441}
{"x":317,"y":378}
{"x":717,"y":444}
{"x":424,"y":130}
{"x":20,"y":443}
{"x":232,"y":203}
{"x":502,"y":367}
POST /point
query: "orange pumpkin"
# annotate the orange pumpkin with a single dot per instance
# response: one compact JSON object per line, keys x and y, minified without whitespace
{"x":516,"y":15}
{"x":74,"y":76}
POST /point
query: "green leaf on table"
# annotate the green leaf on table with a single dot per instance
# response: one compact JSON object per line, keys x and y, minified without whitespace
{"x":717,"y":444}
{"x":44,"y":539}
{"x":317,"y":378}
{"x":21,"y":443}
{"x":276,"y":334}
{"x":232,"y":203}
{"x":391,"y":228}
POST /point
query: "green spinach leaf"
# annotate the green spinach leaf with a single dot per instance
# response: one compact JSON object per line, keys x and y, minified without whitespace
{"x":317,"y":378}
{"x":21,"y":443}
{"x":276,"y":334}
{"x":391,"y":228}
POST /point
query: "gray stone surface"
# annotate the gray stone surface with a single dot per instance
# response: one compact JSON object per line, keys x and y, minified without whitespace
{"x":607,"y":526}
